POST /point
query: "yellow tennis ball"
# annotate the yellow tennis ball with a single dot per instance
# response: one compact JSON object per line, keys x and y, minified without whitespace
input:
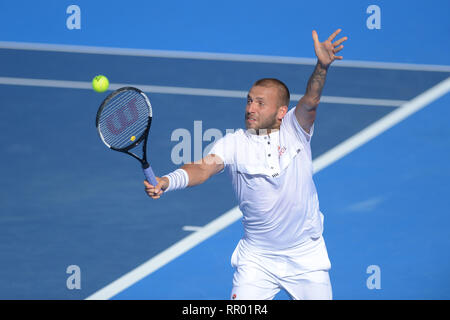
{"x":100,"y":83}
{"x":133,"y":138}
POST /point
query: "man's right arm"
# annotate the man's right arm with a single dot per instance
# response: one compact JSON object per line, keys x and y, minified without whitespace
{"x":198,"y":172}
{"x":202,"y":170}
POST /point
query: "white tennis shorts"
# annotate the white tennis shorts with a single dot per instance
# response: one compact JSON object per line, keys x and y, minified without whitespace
{"x":301,"y":271}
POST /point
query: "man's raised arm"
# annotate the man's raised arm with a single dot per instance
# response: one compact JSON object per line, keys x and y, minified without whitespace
{"x":305,"y":111}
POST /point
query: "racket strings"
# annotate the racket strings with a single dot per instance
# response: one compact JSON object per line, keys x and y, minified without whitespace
{"x":124,"y":119}
{"x":120,"y":134}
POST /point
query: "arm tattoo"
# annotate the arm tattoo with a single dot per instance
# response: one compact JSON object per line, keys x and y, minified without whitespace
{"x":316,"y":83}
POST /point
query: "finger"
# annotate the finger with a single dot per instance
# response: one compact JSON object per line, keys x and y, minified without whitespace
{"x":338,"y":49}
{"x":335,"y":44}
{"x":334,"y":34}
{"x":338,"y":57}
{"x":153,"y":191}
{"x":153,"y":188}
{"x":150,"y":190}
{"x":147,"y":184}
{"x":315,"y":36}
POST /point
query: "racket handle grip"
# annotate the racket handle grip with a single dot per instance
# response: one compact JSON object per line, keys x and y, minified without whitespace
{"x":149,"y":175}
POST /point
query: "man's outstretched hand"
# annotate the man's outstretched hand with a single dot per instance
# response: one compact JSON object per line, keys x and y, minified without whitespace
{"x":155,"y":192}
{"x":326,"y":51}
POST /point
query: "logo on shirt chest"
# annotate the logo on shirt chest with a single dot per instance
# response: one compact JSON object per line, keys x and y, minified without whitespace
{"x":281,"y":151}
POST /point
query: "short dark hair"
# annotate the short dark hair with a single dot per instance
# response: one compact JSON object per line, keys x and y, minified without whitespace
{"x":285,"y":96}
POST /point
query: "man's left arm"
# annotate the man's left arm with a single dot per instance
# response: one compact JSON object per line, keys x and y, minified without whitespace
{"x":306,"y":109}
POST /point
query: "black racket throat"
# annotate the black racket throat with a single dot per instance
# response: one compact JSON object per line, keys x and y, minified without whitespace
{"x":142,"y":160}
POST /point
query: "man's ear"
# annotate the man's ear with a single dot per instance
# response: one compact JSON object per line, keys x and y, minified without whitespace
{"x":282,"y":112}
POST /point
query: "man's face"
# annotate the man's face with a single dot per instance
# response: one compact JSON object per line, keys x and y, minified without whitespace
{"x":262,"y":108}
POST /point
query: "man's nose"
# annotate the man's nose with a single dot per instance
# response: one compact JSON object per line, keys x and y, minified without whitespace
{"x":251,"y":107}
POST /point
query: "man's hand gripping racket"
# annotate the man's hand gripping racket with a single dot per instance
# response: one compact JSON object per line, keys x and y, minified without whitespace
{"x":123,"y":122}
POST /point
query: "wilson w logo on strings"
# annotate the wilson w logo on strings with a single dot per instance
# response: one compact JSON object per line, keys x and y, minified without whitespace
{"x":122,"y":118}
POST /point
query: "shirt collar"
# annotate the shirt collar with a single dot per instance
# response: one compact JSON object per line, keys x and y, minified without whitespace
{"x":274,"y":135}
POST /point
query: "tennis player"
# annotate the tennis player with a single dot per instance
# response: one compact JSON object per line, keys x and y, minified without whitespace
{"x":271,"y":170}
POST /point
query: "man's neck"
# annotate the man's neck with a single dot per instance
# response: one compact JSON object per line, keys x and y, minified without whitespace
{"x":263,"y":132}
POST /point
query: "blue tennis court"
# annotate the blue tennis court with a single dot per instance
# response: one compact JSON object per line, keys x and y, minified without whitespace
{"x":380,"y":151}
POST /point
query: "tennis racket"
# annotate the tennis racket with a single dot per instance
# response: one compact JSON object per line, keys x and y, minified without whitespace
{"x":123,"y":122}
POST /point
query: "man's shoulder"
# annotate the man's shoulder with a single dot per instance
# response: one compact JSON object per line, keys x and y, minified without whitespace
{"x":229,"y":145}
{"x":232,"y":138}
{"x":236,"y":134}
{"x":290,"y":128}
{"x":287,"y":118}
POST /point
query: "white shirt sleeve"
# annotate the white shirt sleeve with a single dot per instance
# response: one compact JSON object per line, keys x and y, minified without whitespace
{"x":225,"y":149}
{"x":291,"y":125}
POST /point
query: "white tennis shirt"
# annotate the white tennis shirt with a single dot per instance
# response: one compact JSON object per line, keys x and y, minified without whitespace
{"x":272,"y":176}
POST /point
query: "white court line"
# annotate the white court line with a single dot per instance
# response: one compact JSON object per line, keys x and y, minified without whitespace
{"x":234,"y":214}
{"x":192,"y":228}
{"x":188,"y":91}
{"x":215,"y":56}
